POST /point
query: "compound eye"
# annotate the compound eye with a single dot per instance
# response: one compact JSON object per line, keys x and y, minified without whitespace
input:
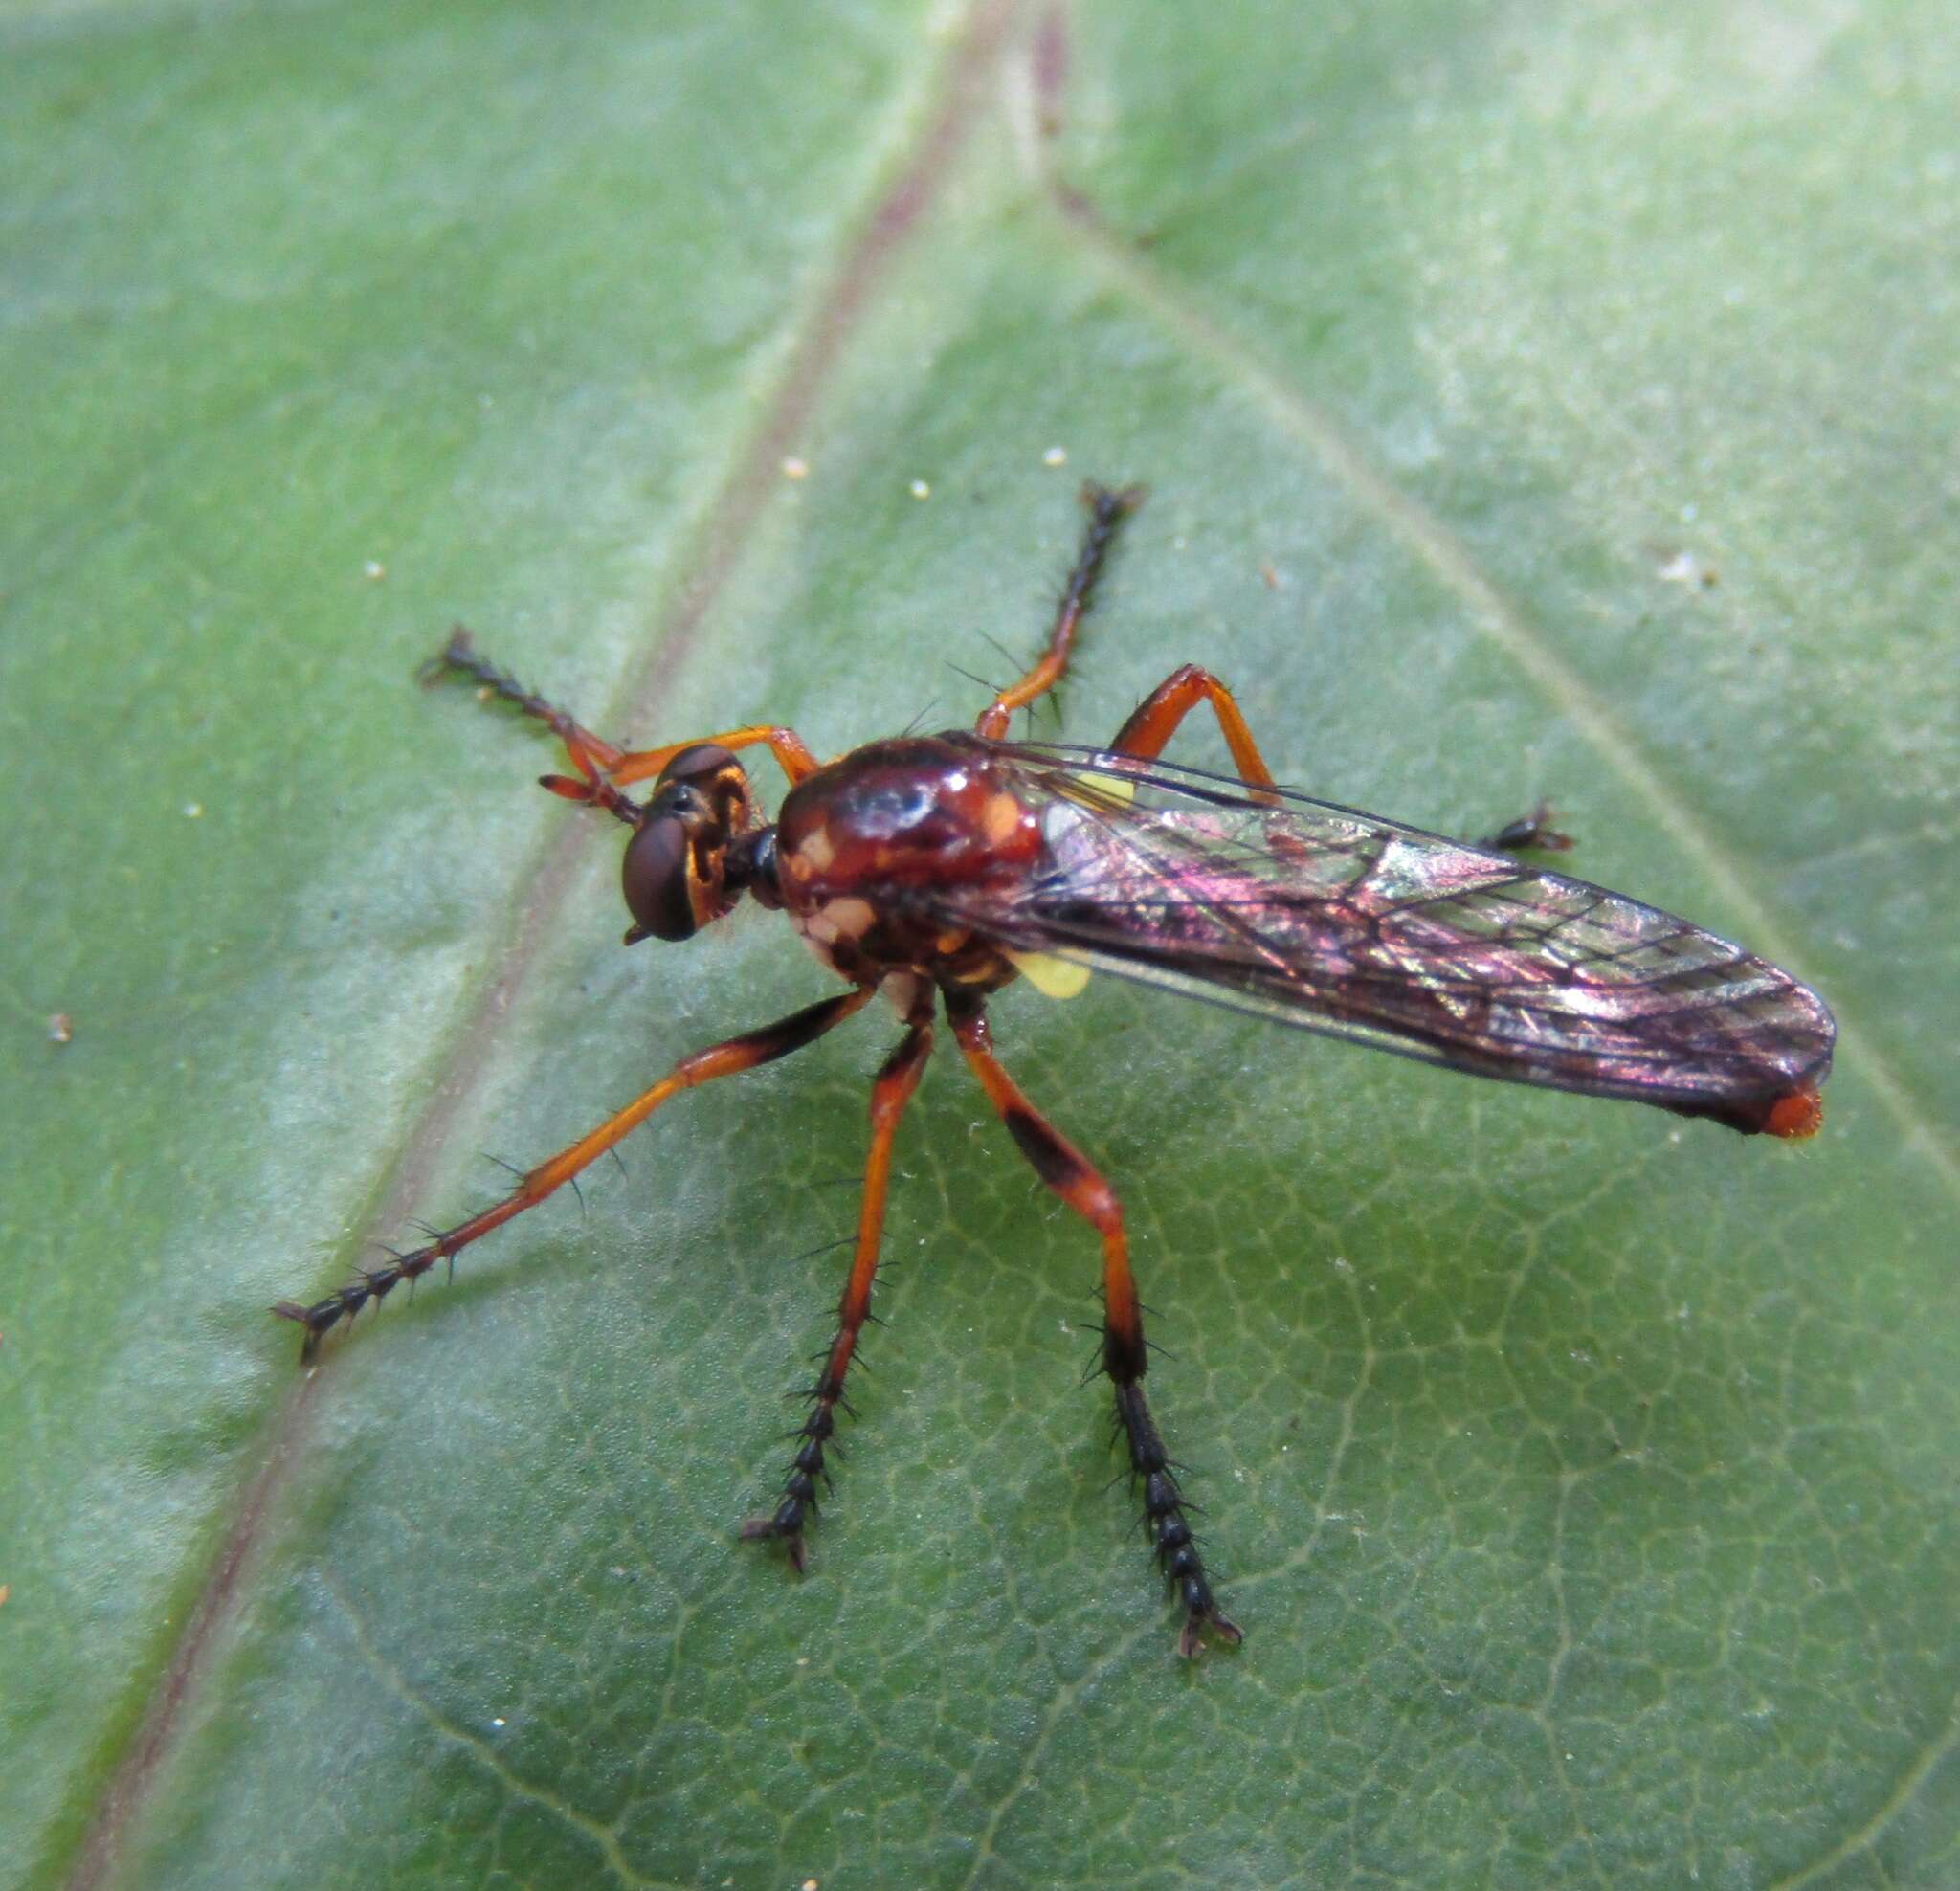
{"x":654,"y":879}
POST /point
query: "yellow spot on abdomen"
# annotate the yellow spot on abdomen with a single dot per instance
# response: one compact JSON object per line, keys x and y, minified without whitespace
{"x":1052,"y":977}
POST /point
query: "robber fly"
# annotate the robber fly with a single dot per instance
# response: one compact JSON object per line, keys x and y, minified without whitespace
{"x":937,"y":869}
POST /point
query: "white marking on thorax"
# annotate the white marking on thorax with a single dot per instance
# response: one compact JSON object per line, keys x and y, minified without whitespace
{"x":847,"y":918}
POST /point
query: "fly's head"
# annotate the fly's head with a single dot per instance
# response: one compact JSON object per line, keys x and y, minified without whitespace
{"x":695,"y":851}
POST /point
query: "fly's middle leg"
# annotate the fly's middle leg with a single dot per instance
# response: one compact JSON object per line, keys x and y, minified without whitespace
{"x":1068,"y":1172}
{"x":890,"y":1092}
{"x":748,"y":1051}
{"x":1107,"y":507}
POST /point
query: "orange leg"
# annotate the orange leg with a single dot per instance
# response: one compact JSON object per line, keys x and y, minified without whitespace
{"x":598,"y":761}
{"x":1155,"y":720}
{"x":1157,"y":717}
{"x":1064,"y":1168}
{"x":737,"y":1054}
{"x":792,"y":752}
{"x":890,"y":1092}
{"x":1107,"y":510}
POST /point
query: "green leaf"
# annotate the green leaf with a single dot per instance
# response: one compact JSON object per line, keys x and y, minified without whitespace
{"x":1536,"y":400}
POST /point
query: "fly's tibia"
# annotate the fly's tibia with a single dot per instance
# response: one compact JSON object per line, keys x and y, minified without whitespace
{"x":1168,"y":1528}
{"x":796,"y":1509}
{"x":375,"y":1285}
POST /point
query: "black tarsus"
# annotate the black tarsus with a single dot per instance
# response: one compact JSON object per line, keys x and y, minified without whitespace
{"x":461,"y":655}
{"x":769,"y":1042}
{"x":1108,"y":506}
{"x":1532,"y":831}
{"x":796,"y":1507}
{"x":1166,"y":1524}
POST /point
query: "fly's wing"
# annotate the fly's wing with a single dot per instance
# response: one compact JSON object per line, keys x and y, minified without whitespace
{"x":1337,"y":921}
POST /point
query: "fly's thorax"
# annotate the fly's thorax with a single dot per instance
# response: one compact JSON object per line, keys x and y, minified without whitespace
{"x":859,"y":841}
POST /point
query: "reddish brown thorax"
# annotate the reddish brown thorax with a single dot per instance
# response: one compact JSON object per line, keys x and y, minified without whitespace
{"x":893,"y":817}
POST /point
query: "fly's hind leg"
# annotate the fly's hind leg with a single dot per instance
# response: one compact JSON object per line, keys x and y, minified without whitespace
{"x":1531,"y":833}
{"x":890,"y":1092}
{"x":1158,"y":717}
{"x":1107,"y":507}
{"x":1155,"y":720}
{"x":1067,"y":1171}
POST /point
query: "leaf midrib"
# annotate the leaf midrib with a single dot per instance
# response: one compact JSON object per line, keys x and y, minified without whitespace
{"x":927,"y":130}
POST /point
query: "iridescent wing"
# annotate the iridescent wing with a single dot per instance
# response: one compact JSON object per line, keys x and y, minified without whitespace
{"x":1343,"y":923}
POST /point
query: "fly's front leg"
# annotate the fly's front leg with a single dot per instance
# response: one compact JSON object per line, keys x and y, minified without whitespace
{"x":603,"y":765}
{"x":793,"y":753}
{"x":1108,"y":507}
{"x":586,"y":752}
{"x":891,"y":1090}
{"x":1067,"y":1171}
{"x":745,"y":1053}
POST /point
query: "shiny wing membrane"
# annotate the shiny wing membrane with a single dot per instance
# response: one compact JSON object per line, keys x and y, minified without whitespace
{"x":1340,"y":922}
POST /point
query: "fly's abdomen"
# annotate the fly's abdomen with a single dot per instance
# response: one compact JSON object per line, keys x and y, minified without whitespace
{"x":1413,"y":943}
